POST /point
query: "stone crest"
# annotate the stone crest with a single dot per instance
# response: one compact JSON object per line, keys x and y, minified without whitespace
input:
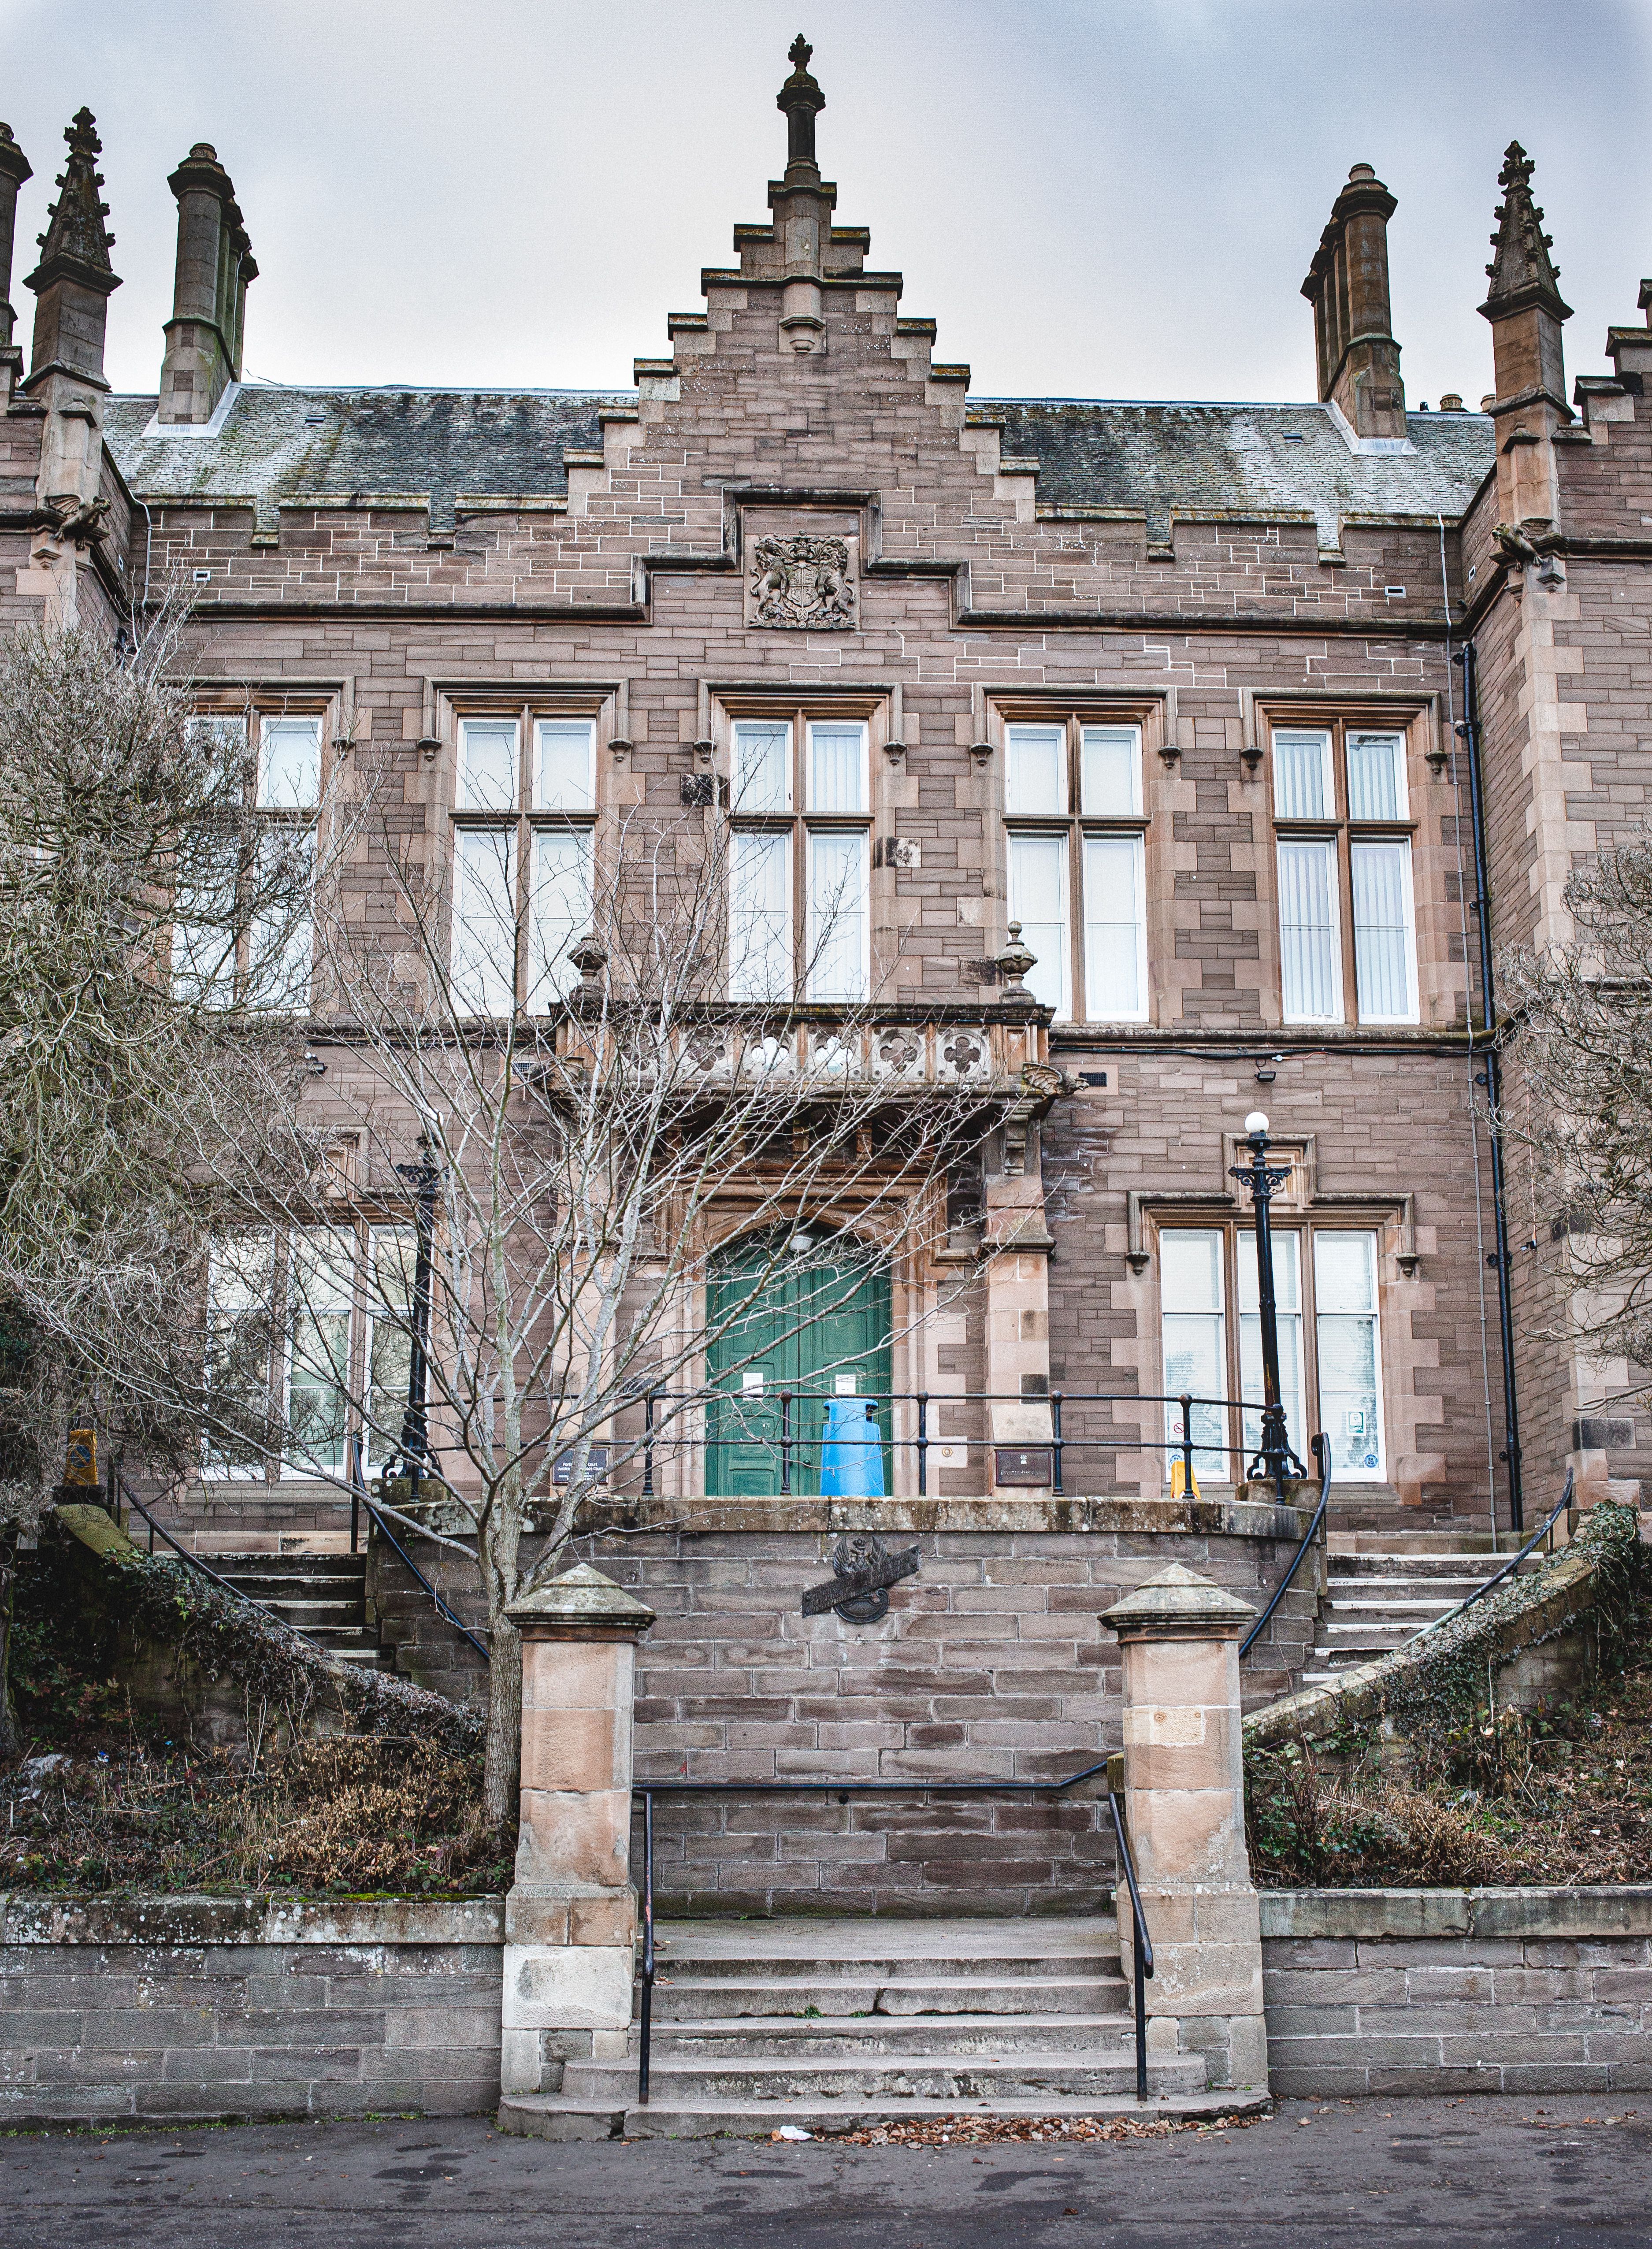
{"x":803,"y":583}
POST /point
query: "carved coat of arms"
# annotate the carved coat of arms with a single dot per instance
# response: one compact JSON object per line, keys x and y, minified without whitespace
{"x":804,"y":583}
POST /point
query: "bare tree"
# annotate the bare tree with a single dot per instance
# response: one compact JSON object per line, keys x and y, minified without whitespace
{"x":1581,"y":1107}
{"x":542,"y":1119}
{"x":147,"y":910}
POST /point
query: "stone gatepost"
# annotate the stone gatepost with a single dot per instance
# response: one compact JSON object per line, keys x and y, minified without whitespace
{"x":1184,"y":1804}
{"x":570,"y":1917}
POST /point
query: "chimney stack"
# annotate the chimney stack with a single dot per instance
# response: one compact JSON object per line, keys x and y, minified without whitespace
{"x":1526,"y":311}
{"x":1348,"y":285}
{"x":74,"y":279}
{"x":204,"y":337}
{"x":15,"y":168}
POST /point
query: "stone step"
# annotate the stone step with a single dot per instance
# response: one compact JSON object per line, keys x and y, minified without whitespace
{"x":289,"y":1569}
{"x":791,"y":1945}
{"x":1455,"y":1542}
{"x":988,"y":2080}
{"x":780,"y":2039}
{"x":1418,"y":1609}
{"x":684,"y":1998}
{"x":553,"y":2116}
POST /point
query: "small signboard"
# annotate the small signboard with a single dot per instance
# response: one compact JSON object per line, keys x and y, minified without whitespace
{"x":563,"y":1472}
{"x":1030,"y":1465}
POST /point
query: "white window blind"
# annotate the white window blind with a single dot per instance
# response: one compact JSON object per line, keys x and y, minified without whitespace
{"x":559,"y":911}
{"x":203,"y":929}
{"x":1115,"y":929}
{"x":487,"y":764}
{"x":837,"y":916}
{"x":282,"y":939}
{"x":320,"y":1285}
{"x":1310,"y":952}
{"x":393,"y":1255}
{"x":1344,"y":1278}
{"x":289,"y":764}
{"x":837,"y":766}
{"x":759,"y":916}
{"x":1376,"y":777}
{"x":1038,"y":901}
{"x":565,"y":764}
{"x":1303,"y":785}
{"x":1035,"y":771}
{"x":762,"y":765}
{"x":1287,"y":1288}
{"x":1385,"y":944}
{"x":484,"y":921}
{"x":1196,"y":1348}
{"x":240,"y":1336}
{"x":1110,"y":763}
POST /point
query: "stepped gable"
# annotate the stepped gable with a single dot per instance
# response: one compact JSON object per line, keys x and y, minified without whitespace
{"x":280,"y":445}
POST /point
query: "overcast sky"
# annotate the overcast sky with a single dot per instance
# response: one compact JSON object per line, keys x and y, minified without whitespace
{"x":1105,"y":198}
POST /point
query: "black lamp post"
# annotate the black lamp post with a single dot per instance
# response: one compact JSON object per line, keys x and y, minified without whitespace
{"x":415,"y":1446}
{"x":1275,"y":1457}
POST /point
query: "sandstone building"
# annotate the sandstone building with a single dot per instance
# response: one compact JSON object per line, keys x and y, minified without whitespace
{"x":1177,"y":688}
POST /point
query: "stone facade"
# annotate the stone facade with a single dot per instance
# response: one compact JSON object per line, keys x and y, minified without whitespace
{"x":798,"y":503}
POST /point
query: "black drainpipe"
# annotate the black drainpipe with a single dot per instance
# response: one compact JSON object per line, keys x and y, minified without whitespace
{"x":1492,"y":1079}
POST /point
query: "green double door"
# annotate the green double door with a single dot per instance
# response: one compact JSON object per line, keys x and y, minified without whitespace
{"x":803,"y":1338}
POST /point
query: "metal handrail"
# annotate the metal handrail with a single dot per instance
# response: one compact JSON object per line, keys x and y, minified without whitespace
{"x":225,"y":1585}
{"x":1141,"y":1943}
{"x":1508,"y":1567}
{"x":648,"y":1789}
{"x":1320,"y":1447}
{"x":360,"y":1492}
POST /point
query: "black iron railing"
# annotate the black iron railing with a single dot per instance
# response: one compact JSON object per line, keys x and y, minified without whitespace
{"x":648,"y":1789}
{"x":1514,"y":1561}
{"x":361,"y":1498}
{"x":1320,"y":1447}
{"x":790,"y":1427}
{"x":1140,"y":1943}
{"x":128,"y":1498}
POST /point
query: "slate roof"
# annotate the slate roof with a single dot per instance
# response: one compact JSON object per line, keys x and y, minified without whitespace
{"x":1238,"y":460}
{"x":277,"y":445}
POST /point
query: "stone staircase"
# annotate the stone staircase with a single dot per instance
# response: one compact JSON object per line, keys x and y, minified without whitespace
{"x":830,"y":2025}
{"x":323,"y":1595}
{"x":1382,"y":1588}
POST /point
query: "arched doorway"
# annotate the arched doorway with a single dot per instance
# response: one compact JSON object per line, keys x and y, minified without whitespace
{"x":816,"y":1326}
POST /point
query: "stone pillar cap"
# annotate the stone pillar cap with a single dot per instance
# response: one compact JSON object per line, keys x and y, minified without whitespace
{"x":1178,"y":1603}
{"x":583,"y":1597}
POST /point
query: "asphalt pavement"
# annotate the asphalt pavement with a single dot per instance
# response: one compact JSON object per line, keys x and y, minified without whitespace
{"x":1525,"y":2172}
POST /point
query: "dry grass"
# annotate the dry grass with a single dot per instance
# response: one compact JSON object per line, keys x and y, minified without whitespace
{"x":338,"y":1816}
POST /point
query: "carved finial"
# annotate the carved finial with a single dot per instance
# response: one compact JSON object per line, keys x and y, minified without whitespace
{"x":1521,"y":272}
{"x":802,"y":100}
{"x":1015,"y":960}
{"x":76,"y":241}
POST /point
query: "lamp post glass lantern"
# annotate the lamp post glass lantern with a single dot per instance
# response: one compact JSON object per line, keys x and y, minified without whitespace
{"x":1275,"y":1457}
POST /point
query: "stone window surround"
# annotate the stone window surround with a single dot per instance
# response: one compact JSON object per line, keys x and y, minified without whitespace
{"x":449,"y":704}
{"x":331,"y":701}
{"x":879,"y":708}
{"x":1154,"y":711}
{"x":1300,"y":1204}
{"x":1417,"y":717}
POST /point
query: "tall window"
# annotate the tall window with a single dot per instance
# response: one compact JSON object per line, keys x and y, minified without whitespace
{"x":1330,"y":1353}
{"x":524,"y":814}
{"x":799,"y":918}
{"x":1347,"y":923}
{"x":245,"y":922}
{"x":298,"y":1324}
{"x":1078,"y":863}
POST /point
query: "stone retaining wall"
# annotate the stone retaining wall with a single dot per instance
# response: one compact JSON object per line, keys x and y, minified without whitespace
{"x":1524,"y":1991}
{"x":992,"y":1664}
{"x":197,"y":2007}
